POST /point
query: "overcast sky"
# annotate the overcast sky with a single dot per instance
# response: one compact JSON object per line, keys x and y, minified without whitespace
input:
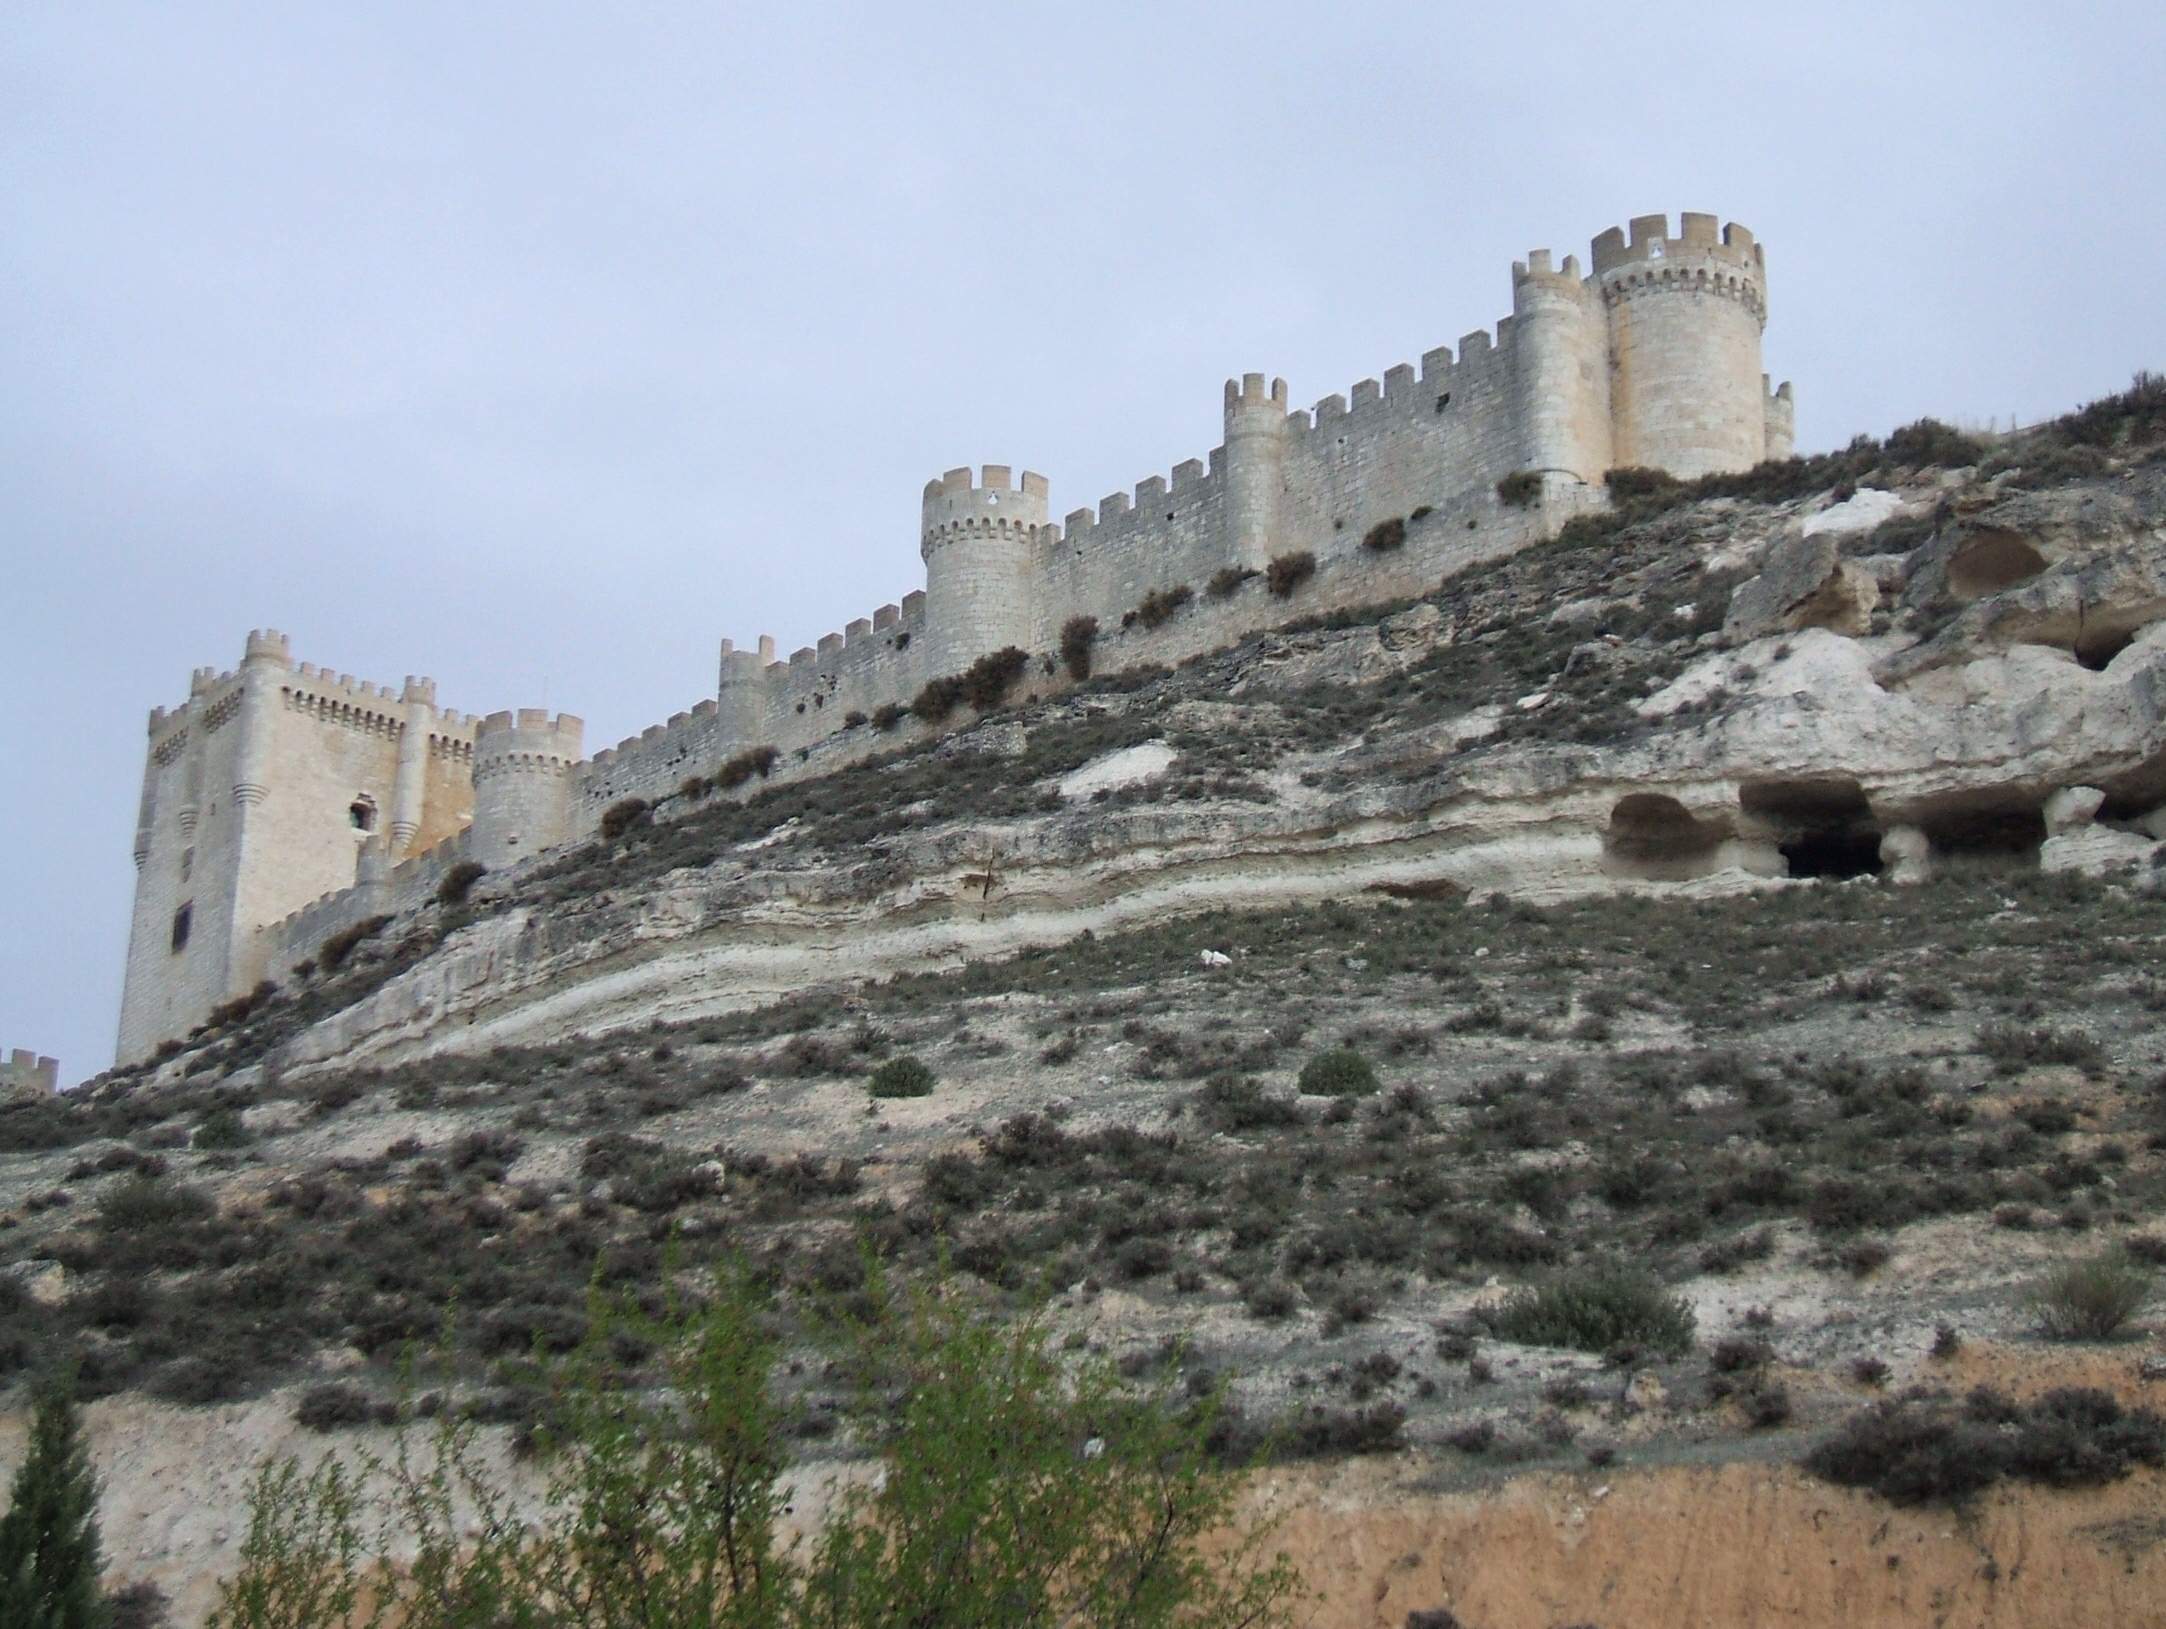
{"x":537,"y":346}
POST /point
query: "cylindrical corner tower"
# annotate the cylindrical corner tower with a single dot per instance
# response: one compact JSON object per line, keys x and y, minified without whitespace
{"x":1255,"y":468}
{"x":1685,"y":315}
{"x":741,"y":694}
{"x":1560,"y":347}
{"x":523,"y":767}
{"x":980,"y":545}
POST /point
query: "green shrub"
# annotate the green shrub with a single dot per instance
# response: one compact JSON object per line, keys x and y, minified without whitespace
{"x":221,"y":1128}
{"x":459,"y":882}
{"x":903,"y":1077}
{"x":146,"y":1204}
{"x":1077,"y":635}
{"x":622,"y":816}
{"x":1340,"y":1073}
{"x":1385,"y":535}
{"x":1597,"y":1308}
{"x":1288,"y":572}
{"x":888,"y":715}
{"x":2092,"y":1299}
{"x":1519,"y":489}
{"x":1922,"y":1449}
{"x":49,"y":1550}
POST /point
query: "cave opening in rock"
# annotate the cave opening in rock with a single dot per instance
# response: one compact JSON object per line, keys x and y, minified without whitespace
{"x":1654,"y":836}
{"x":1989,"y":562}
{"x":1988,"y":831}
{"x":1822,"y":828}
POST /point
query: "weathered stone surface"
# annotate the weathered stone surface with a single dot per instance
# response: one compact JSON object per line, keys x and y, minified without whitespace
{"x":1803,"y":583}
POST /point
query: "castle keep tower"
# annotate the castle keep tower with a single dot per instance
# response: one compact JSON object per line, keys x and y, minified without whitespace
{"x":523,"y":767}
{"x":1685,"y":314}
{"x":261,"y":794}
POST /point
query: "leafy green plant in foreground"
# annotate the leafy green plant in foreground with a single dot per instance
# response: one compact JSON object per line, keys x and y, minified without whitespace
{"x":1016,"y":1490}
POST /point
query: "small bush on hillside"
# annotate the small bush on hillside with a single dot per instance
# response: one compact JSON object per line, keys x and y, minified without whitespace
{"x":1632,"y":481}
{"x":1288,"y":572}
{"x":1595,"y":1309}
{"x":1077,"y":635}
{"x":887,"y":716}
{"x":1519,"y":489}
{"x":984,"y":685}
{"x":1931,"y":444}
{"x":1340,"y":1073}
{"x":2092,"y":1299}
{"x":622,"y":816}
{"x":754,"y":761}
{"x":459,"y":882}
{"x":1227,"y":580}
{"x":1385,"y":535}
{"x":1161,"y":605}
{"x":1921,"y":1449}
{"x":903,"y":1077}
{"x":221,"y":1128}
{"x":146,"y":1204}
{"x":332,"y":953}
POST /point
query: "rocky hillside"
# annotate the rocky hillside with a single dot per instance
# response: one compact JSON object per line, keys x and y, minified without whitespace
{"x":1641,"y":1014}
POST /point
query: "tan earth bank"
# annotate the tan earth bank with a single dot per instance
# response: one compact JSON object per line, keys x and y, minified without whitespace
{"x":1523,"y":843}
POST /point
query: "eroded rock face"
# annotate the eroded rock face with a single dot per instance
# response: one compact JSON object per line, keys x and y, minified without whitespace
{"x":1804,"y":583}
{"x":1481,"y":739}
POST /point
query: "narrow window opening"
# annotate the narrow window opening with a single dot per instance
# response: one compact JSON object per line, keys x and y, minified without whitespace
{"x":1444,"y":401}
{"x":182,"y":919}
{"x":362,"y":814}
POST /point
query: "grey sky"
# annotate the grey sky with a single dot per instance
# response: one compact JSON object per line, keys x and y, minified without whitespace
{"x":538,"y":346}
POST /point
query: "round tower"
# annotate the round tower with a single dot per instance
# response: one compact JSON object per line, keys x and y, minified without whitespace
{"x":1560,"y":349}
{"x":523,"y":767}
{"x":980,"y":545}
{"x":1685,"y":315}
{"x":1255,"y":468}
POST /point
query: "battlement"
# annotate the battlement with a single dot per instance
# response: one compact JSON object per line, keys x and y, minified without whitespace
{"x":995,"y":500}
{"x":529,"y":739}
{"x":1536,"y":269}
{"x":1250,"y":392}
{"x":1590,"y":370}
{"x":1699,"y":239}
{"x":267,"y":645}
{"x":28,"y":1073}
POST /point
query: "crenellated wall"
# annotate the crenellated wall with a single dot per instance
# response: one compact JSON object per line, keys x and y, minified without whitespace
{"x":1651,"y":358}
{"x":27,"y":1074}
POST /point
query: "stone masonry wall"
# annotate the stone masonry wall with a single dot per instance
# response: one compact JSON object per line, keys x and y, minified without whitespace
{"x":1652,"y":358}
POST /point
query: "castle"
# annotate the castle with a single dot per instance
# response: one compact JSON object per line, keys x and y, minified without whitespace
{"x":283,"y":802}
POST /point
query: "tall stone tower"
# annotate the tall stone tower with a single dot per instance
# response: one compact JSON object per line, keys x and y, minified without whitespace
{"x":980,"y":546}
{"x":260,"y":794}
{"x":1685,"y":314}
{"x":1560,"y":335}
{"x":1255,"y":468}
{"x":523,"y":765}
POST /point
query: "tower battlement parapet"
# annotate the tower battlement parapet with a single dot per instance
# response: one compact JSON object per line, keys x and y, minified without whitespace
{"x":996,"y":501}
{"x":1699,"y":237}
{"x":527,"y":741}
{"x":29,"y":1074}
